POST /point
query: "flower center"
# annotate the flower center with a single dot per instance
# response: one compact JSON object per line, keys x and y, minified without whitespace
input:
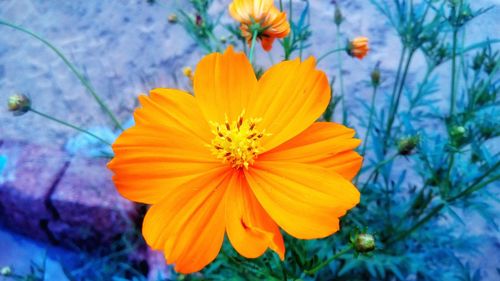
{"x":238,"y":142}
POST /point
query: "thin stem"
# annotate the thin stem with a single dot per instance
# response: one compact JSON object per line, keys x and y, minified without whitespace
{"x":80,"y":77}
{"x":394,"y":108}
{"x":252,"y":46}
{"x":329,"y":53}
{"x":370,"y":121}
{"x":398,"y":76}
{"x":377,"y":167}
{"x":409,"y":231}
{"x":453,"y":73}
{"x":438,"y":208}
{"x":341,"y":78}
{"x":368,"y":130}
{"x":69,"y":125}
{"x":328,"y":261}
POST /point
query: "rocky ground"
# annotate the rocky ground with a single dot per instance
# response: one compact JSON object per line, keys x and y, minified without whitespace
{"x":126,"y":48}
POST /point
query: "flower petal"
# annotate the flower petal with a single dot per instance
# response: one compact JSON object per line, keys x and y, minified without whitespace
{"x":244,"y":10}
{"x":164,"y":149}
{"x":188,"y":225}
{"x":290,"y":97}
{"x":326,"y":144}
{"x":224,"y":84}
{"x":305,"y":200}
{"x":249,"y":228}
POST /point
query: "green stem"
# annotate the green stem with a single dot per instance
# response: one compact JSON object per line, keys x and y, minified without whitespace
{"x":370,"y":121}
{"x":409,"y":231}
{"x":328,"y":261}
{"x":80,"y":77}
{"x":329,"y":53}
{"x":368,"y":130}
{"x":439,"y":207}
{"x":341,"y":78}
{"x":394,"y":108}
{"x":453,"y":73}
{"x":252,"y":46}
{"x":377,"y":167}
{"x":69,"y":125}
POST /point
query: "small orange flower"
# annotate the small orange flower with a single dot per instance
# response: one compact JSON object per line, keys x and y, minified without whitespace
{"x":242,"y":157}
{"x":358,"y":47}
{"x":260,"y":15}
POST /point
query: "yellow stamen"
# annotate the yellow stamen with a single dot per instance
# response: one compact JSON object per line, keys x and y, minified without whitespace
{"x":237,"y":142}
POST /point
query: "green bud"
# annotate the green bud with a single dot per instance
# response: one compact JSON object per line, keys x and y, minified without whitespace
{"x":364,"y":243}
{"x":19,"y":104}
{"x":338,"y":18}
{"x":407,"y":145}
{"x":375,"y":76}
{"x":458,"y":132}
{"x":5,"y":271}
{"x":478,"y":61}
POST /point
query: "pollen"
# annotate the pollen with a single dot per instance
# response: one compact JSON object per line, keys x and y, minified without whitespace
{"x":238,"y":142}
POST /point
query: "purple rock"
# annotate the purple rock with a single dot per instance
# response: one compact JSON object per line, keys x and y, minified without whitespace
{"x":90,"y":211}
{"x":29,"y":174}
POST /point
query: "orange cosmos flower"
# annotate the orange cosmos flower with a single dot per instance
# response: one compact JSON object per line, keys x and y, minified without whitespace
{"x":243,"y":157}
{"x":260,"y":15}
{"x":358,"y":47}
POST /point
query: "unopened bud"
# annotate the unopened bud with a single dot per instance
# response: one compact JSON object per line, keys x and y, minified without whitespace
{"x":478,"y":61}
{"x":364,"y":243}
{"x":458,"y":132}
{"x":375,"y":76}
{"x":5,"y":271}
{"x":338,"y":18}
{"x":19,"y":104}
{"x":358,"y":47}
{"x":407,"y":145}
{"x":172,"y":18}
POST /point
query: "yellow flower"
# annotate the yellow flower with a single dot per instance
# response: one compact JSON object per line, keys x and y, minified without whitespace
{"x":242,"y":157}
{"x":263,"y":16}
{"x":358,"y":47}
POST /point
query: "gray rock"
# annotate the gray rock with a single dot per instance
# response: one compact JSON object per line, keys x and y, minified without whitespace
{"x":30,"y":174}
{"x":88,"y":209}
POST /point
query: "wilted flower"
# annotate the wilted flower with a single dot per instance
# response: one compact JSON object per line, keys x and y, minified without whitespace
{"x":19,"y":104}
{"x":358,"y":47}
{"x":260,"y":16}
{"x":243,"y":157}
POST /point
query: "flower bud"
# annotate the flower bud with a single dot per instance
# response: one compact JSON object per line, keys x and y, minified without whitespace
{"x":5,"y":271}
{"x":358,"y":47}
{"x":172,"y":18}
{"x":338,"y":18}
{"x":19,"y":104}
{"x":364,"y":243}
{"x":458,"y":132}
{"x":478,"y":61}
{"x":375,"y":76}
{"x":407,"y":145}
